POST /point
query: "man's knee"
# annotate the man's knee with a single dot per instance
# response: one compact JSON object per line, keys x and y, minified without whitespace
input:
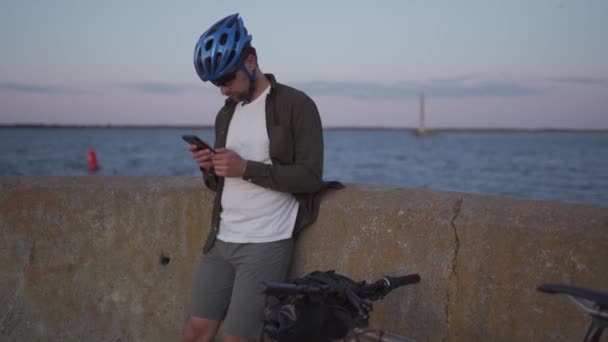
{"x":200,"y":329}
{"x":234,"y":338}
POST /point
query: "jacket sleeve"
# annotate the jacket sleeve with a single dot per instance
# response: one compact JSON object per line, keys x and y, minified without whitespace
{"x":210,"y":178}
{"x":305,"y":173}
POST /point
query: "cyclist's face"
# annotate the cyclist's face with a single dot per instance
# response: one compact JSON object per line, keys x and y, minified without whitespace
{"x":235,"y":86}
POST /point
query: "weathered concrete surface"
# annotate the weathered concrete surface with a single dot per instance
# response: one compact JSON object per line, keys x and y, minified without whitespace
{"x":81,"y":257}
{"x":111,"y":258}
{"x":506,"y":249}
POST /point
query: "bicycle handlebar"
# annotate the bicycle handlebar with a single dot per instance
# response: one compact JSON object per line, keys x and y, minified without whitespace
{"x":373,"y":291}
{"x":395,"y":282}
{"x":599,"y":297}
{"x":592,"y":302}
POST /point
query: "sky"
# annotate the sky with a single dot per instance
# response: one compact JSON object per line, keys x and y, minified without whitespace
{"x":480,"y":63}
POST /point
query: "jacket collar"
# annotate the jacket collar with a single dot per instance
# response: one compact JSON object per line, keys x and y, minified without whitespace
{"x":273,"y":85}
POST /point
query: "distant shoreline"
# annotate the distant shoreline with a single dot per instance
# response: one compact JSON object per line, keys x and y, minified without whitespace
{"x":428,"y":132}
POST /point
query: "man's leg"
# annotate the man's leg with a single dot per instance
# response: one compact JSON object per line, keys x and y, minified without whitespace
{"x":211,"y":293}
{"x":254,"y":262}
{"x":200,"y":329}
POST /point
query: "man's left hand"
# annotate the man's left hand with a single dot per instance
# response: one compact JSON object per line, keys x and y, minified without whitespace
{"x":228,"y":163}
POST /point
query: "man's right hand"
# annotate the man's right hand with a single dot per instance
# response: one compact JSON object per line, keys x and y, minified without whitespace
{"x":202,"y":157}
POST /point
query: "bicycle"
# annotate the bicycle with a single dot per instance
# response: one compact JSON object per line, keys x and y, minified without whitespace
{"x":593,"y":302}
{"x":353,"y":302}
{"x":325,"y":306}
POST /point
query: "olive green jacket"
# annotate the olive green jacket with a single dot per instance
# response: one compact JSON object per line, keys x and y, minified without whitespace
{"x":296,"y":151}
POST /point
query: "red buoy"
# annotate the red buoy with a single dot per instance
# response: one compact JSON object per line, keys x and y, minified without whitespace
{"x":92,"y":159}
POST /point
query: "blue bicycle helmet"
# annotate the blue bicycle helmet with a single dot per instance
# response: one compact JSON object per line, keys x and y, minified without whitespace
{"x":218,"y":50}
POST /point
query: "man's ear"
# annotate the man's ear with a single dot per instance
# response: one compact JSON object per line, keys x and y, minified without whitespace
{"x":251,"y":62}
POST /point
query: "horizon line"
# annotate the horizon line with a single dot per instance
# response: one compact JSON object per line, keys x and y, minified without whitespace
{"x":429,"y":130}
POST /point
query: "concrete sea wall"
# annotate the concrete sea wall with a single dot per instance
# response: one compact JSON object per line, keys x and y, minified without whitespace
{"x":112,"y":258}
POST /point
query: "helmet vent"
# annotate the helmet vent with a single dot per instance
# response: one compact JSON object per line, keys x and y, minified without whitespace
{"x":218,"y":58}
{"x":208,"y":44}
{"x":231,"y":56}
{"x":223,"y":38}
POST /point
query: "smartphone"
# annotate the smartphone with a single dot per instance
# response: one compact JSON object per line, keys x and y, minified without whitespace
{"x":194,"y":140}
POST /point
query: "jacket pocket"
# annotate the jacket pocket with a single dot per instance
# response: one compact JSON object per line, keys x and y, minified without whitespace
{"x":281,"y":144}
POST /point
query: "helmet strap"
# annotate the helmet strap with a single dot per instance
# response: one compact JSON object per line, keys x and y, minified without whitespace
{"x":251,"y":76}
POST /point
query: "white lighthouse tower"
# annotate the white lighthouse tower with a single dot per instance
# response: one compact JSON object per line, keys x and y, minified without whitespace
{"x":421,"y":129}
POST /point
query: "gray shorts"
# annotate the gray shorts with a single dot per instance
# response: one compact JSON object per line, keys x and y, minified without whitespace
{"x":226,"y":281}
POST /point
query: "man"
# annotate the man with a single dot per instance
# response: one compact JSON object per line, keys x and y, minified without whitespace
{"x":267,"y":174}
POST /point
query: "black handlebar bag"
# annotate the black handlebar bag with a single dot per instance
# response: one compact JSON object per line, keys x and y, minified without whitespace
{"x":324,"y":317}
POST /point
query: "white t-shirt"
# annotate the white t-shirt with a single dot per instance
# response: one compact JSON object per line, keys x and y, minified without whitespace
{"x":251,"y":213}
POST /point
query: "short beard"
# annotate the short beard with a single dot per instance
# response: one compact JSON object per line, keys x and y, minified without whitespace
{"x":244,"y":96}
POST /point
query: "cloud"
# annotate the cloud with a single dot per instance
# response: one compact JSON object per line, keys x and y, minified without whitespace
{"x":163,"y":87}
{"x":486,"y":88}
{"x":142,"y":87}
{"x":472,"y":85}
{"x":33,"y":88}
{"x":166,"y":88}
{"x":466,"y":86}
{"x":580,"y":80}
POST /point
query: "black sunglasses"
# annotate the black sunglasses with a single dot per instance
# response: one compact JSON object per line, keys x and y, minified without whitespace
{"x":227,"y":78}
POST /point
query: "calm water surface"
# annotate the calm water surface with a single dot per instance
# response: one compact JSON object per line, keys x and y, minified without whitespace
{"x":562,"y":167}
